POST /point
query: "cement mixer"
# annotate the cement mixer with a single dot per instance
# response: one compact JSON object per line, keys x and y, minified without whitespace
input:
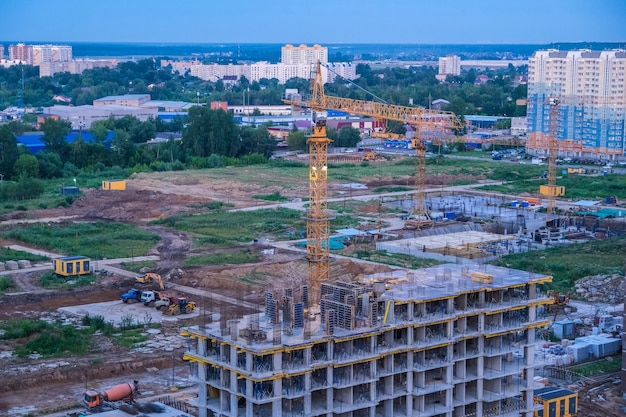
{"x":122,"y":392}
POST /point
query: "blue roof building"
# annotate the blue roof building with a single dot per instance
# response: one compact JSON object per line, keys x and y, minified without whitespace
{"x":33,"y":141}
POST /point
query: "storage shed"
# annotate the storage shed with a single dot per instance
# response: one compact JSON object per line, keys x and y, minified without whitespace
{"x":114,"y":184}
{"x":557,"y":402}
{"x":72,"y":265}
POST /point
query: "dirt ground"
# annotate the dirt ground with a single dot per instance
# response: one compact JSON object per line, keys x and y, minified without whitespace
{"x":35,"y":386}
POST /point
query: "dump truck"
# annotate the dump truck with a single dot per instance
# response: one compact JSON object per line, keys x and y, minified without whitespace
{"x":150,"y":298}
{"x":132,"y":295}
{"x":95,"y":400}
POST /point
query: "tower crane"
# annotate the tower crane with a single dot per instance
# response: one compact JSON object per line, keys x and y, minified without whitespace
{"x":318,"y":217}
{"x":552,"y":190}
{"x":423,"y":120}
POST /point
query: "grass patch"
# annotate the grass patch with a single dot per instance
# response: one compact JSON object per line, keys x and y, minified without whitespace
{"x":131,"y":338}
{"x":607,"y":365}
{"x":6,"y":282}
{"x":275,"y":196}
{"x":8,"y":254}
{"x":240,"y":257}
{"x":391,"y":189}
{"x":96,"y":240}
{"x":51,"y":280}
{"x":254,"y":278}
{"x":225,"y":229}
{"x":576,"y":187}
{"x":571,"y":262}
{"x":215,"y":205}
{"x":138,"y":265}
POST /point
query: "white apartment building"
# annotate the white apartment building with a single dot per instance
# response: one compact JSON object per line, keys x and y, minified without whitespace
{"x":303,"y":54}
{"x":75,"y":66}
{"x":257,"y":71}
{"x":37,"y":54}
{"x":591,"y":88}
{"x":449,"y":65}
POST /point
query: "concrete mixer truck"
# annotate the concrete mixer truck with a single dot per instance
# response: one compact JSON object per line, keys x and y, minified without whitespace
{"x":123,"y":392}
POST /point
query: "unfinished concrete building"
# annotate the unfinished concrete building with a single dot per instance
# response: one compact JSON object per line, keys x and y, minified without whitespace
{"x":450,"y":340}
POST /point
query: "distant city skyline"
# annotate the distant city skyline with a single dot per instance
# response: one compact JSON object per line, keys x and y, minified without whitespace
{"x":323,"y":21}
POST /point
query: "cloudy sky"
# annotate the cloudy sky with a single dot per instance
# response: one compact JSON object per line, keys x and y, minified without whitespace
{"x":318,"y":21}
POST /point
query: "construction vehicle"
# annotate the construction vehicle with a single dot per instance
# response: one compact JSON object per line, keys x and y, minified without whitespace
{"x":559,"y":301}
{"x":182,"y":306}
{"x":150,"y":298}
{"x":370,"y":156}
{"x":164,"y":302}
{"x":149,"y":277}
{"x":95,"y":400}
{"x":132,"y":295}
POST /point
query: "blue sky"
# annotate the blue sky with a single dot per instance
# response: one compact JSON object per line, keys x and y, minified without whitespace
{"x":317,"y":21}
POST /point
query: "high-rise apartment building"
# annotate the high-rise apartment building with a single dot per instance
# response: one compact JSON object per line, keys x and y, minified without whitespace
{"x":303,"y":54}
{"x":591,"y":89}
{"x":445,"y":341}
{"x":450,"y":65}
{"x":21,"y":52}
{"x":1,"y":52}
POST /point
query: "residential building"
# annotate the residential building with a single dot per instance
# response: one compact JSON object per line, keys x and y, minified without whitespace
{"x":518,"y":126}
{"x":21,"y":52}
{"x":75,"y":66}
{"x":591,"y":90}
{"x":259,"y":70}
{"x":294,"y":55}
{"x":1,"y":52}
{"x":448,"y":65}
{"x":450,"y":340}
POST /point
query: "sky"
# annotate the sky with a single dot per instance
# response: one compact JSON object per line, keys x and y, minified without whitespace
{"x":314,"y":21}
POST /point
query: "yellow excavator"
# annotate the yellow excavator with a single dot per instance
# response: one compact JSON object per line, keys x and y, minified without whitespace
{"x":370,"y":156}
{"x":149,"y":277}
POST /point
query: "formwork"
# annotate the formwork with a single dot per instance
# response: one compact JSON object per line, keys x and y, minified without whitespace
{"x":467,"y":246}
{"x":451,"y":340}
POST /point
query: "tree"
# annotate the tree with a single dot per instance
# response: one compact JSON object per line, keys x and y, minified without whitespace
{"x":9,"y":152}
{"x":123,"y":148}
{"x":296,"y":141}
{"x":26,"y":166}
{"x":55,"y":135}
{"x":211,"y":131}
{"x":348,"y":137}
{"x":256,"y":140}
{"x":50,"y":164}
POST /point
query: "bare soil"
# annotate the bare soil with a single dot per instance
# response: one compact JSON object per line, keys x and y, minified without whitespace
{"x":153,"y":196}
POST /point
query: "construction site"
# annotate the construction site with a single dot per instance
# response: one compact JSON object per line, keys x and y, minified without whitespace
{"x":330,"y":335}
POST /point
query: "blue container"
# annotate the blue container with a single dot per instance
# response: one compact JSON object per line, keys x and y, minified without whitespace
{"x":524,"y":203}
{"x":451,"y":215}
{"x":514,"y":203}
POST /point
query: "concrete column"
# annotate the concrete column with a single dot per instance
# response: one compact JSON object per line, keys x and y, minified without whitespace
{"x":249,"y":362}
{"x":233,"y":356}
{"x":249,"y":394}
{"x":307,"y":390}
{"x":277,"y":403}
{"x":202,"y":347}
{"x":277,"y":361}
{"x":233,"y":405}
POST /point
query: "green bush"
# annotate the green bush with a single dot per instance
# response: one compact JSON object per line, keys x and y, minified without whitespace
{"x":19,"y":328}
{"x":5,"y":283}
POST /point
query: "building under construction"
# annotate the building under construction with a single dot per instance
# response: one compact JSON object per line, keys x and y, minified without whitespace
{"x":451,"y":340}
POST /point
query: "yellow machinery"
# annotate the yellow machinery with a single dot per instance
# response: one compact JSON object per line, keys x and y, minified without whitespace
{"x":72,"y":265}
{"x":182,"y":306}
{"x":370,"y":156}
{"x":149,"y":277}
{"x":425,"y":121}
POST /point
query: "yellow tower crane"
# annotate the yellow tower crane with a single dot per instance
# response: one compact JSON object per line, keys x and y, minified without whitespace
{"x":318,"y":218}
{"x":424,"y":121}
{"x":552,"y":190}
